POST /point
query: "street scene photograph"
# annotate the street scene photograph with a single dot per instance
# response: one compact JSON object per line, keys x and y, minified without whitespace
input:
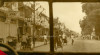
{"x":25,"y":26}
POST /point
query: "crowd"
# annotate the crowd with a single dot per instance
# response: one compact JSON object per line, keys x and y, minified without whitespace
{"x":26,"y":41}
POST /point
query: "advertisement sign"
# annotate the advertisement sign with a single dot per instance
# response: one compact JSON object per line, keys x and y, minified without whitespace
{"x":13,"y":14}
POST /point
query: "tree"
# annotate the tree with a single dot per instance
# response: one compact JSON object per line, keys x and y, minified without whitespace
{"x":92,"y":11}
{"x":86,"y":27}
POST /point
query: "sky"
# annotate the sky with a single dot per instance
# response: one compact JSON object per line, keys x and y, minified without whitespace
{"x":69,"y":13}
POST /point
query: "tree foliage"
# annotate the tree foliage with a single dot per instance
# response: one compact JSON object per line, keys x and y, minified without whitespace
{"x":92,"y":11}
{"x":86,"y":26}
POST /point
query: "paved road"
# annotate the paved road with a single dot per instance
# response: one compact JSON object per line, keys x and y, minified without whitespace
{"x":79,"y":46}
{"x":82,"y":46}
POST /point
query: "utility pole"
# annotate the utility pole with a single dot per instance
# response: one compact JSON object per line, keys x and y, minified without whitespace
{"x":34,"y":27}
{"x":51,"y":27}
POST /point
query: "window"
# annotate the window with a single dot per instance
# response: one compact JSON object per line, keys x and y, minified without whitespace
{"x":31,"y":30}
{"x":57,"y":27}
{"x":76,"y":26}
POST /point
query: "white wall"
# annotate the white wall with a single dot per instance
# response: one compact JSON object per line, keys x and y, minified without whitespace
{"x":4,"y":30}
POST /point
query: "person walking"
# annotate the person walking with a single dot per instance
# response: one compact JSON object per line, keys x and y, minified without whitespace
{"x":72,"y":37}
{"x":29,"y":42}
{"x":34,"y":40}
{"x":64,"y":39}
{"x":24,"y":40}
{"x":45,"y":39}
{"x":59,"y":42}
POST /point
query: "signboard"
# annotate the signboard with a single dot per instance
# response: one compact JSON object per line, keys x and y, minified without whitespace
{"x":13,"y":14}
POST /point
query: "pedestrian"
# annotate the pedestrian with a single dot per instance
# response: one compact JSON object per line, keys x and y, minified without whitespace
{"x":64,"y":39}
{"x":72,"y":37}
{"x":45,"y":39}
{"x":24,"y":40}
{"x":29,"y":42}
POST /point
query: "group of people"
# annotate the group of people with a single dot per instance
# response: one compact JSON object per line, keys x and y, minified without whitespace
{"x":60,"y":40}
{"x":27,"y":41}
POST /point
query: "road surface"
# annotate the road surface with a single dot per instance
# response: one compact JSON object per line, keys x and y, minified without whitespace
{"x":82,"y":46}
{"x":78,"y":46}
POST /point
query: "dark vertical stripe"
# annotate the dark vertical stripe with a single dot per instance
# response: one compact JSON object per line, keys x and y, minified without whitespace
{"x":51,"y":27}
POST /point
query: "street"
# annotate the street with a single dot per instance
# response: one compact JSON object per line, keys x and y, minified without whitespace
{"x":82,"y":46}
{"x":78,"y":46}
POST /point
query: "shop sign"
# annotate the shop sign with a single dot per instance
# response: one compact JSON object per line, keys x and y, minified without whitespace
{"x":13,"y":14}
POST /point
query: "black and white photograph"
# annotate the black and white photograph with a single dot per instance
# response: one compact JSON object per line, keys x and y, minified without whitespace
{"x":49,"y":27}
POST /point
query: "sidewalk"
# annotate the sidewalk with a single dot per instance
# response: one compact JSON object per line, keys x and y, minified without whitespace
{"x":38,"y":44}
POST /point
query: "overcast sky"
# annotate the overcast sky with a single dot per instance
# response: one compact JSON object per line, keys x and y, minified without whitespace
{"x":69,"y":13}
